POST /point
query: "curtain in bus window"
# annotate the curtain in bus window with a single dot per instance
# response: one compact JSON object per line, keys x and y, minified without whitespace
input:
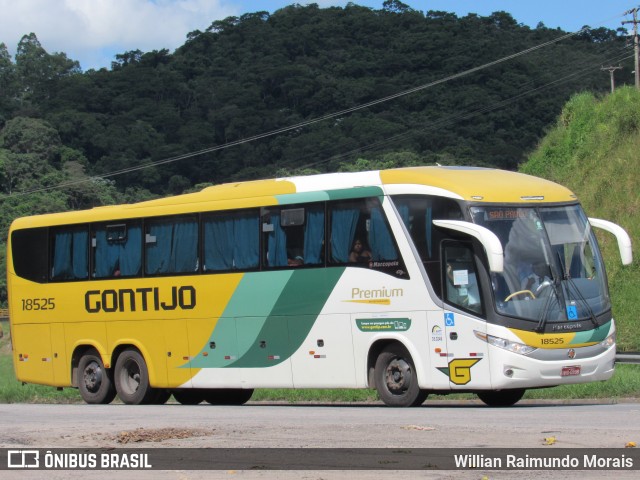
{"x":184,"y":247}
{"x":403,"y":210}
{"x":314,"y":235}
{"x":107,"y":255}
{"x":343,"y":230}
{"x":380,"y":240}
{"x":218,"y":243}
{"x":277,"y":243}
{"x":130,"y":252}
{"x":125,"y":258}
{"x":158,"y":251}
{"x":70,"y":255}
{"x":232,"y":242}
{"x":246,"y":250}
{"x":62,"y":255}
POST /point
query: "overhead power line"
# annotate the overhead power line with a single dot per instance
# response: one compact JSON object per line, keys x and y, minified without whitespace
{"x":301,"y":124}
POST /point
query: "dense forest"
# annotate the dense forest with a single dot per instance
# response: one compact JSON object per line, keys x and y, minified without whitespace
{"x":159,"y":123}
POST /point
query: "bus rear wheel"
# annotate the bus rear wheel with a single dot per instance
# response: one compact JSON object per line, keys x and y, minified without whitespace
{"x":94,"y":381}
{"x":501,"y":398}
{"x":396,"y":378}
{"x":132,"y":378}
{"x":228,"y":396}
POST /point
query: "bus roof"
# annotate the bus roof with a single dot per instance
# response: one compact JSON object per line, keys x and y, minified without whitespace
{"x":469,"y":183}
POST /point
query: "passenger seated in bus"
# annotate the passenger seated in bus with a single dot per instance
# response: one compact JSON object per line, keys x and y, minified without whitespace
{"x":358,"y":253}
{"x":295,"y":256}
{"x":462,"y":288}
{"x":295,"y":261}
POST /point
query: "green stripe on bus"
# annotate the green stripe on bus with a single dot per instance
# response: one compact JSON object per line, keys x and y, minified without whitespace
{"x":593,"y":336}
{"x":339,"y":194}
{"x":261,"y":325}
{"x":285,"y":329}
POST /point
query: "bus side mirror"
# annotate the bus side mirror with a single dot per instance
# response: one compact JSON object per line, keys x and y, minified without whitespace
{"x":624,"y":242}
{"x":488,"y":239}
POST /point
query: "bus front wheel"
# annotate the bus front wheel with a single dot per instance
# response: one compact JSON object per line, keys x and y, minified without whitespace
{"x":228,"y":396}
{"x":94,"y":382}
{"x":189,"y":396}
{"x":501,"y":398}
{"x":132,"y":378}
{"x":396,"y":378}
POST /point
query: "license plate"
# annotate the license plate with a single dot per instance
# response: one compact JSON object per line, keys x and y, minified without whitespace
{"x":570,"y":371}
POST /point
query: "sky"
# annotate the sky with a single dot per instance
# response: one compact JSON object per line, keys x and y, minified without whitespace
{"x":94,"y":31}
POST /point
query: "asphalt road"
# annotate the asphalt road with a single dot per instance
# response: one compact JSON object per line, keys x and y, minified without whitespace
{"x":466,"y":424}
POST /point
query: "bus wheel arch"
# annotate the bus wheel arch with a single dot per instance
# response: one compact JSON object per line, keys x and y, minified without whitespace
{"x":392,"y":372}
{"x":94,"y":381}
{"x":131,"y":376}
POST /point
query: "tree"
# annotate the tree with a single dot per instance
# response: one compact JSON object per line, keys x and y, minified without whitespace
{"x":27,"y":146}
{"x":39,"y":71}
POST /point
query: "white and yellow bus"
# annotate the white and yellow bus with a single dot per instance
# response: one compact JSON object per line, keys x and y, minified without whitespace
{"x":410,"y":281}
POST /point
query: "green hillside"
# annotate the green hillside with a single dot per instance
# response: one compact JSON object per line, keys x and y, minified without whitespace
{"x":594,"y":149}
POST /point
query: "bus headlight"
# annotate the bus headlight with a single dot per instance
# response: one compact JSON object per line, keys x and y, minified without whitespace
{"x":610,"y":341}
{"x":505,"y":344}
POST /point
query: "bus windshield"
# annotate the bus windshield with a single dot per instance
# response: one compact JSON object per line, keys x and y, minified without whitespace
{"x":553,"y":270}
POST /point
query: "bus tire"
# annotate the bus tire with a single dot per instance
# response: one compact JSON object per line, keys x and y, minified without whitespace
{"x":189,"y":396}
{"x":396,"y":378}
{"x":94,"y":381}
{"x":501,"y":398}
{"x":159,"y":396}
{"x":228,"y":396}
{"x":132,"y":378}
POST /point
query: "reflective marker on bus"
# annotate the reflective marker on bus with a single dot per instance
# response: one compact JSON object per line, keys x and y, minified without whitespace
{"x":409,"y":281}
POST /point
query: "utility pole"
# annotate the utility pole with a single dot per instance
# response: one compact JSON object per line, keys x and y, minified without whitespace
{"x":611,"y":70}
{"x":634,"y":11}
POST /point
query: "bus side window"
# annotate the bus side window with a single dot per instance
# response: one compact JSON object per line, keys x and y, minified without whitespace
{"x":363,"y":221}
{"x":293,"y":236}
{"x":231,"y":241}
{"x":30,"y":253}
{"x":171,"y":246}
{"x":70,"y":253}
{"x":117,"y":250}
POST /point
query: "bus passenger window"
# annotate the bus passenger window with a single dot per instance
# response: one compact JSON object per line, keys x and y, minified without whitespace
{"x":294,"y":236}
{"x":30,"y":253}
{"x":171,"y":246}
{"x":70,"y":254}
{"x":361,"y":220}
{"x":231,"y":241}
{"x":117,"y":250}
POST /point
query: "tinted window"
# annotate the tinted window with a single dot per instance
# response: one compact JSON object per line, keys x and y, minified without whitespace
{"x":231,"y":241}
{"x":293,"y":236}
{"x":70,"y":253}
{"x":117,"y":250}
{"x":29,"y":249}
{"x":171,"y":246}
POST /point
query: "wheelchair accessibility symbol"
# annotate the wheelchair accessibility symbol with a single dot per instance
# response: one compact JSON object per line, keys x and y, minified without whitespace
{"x":572,"y":312}
{"x":449,"y":321}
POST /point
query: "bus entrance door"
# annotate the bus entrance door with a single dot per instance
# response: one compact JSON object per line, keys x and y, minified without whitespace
{"x":467,"y":362}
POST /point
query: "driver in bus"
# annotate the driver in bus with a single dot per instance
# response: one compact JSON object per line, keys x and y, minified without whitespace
{"x":538,"y":278}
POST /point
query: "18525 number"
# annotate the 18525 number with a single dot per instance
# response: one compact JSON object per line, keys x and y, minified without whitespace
{"x":38,"y":304}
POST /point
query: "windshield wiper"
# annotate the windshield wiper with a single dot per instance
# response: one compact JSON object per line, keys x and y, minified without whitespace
{"x":572,"y":285}
{"x":554,"y":284}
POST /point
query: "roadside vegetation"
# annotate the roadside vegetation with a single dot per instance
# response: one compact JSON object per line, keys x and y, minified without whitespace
{"x":593,"y":150}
